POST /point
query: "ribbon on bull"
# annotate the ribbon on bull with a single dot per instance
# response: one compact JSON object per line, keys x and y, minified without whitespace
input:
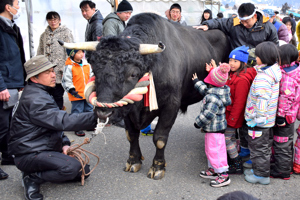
{"x":145,"y":86}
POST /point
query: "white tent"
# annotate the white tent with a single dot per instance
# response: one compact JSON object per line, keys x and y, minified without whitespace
{"x":33,"y":22}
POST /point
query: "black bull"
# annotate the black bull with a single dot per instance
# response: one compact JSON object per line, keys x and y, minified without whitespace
{"x":118,"y":66}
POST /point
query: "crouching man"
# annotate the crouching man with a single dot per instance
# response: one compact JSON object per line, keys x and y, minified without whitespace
{"x":37,"y":141}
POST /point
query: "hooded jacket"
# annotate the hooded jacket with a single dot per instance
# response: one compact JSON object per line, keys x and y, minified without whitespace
{"x":76,"y":76}
{"x":289,"y":93}
{"x":263,"y":96}
{"x":38,"y":124}
{"x":12,"y":57}
{"x":113,"y":25}
{"x":282,"y":31}
{"x":55,"y":53}
{"x":212,"y":107}
{"x":239,"y":35}
{"x":239,"y":89}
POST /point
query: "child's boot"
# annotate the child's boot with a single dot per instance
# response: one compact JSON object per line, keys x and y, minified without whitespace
{"x":245,"y":153}
{"x":275,"y":174}
{"x":248,"y":164}
{"x":257,"y":179}
{"x":221,"y":180}
{"x":236,"y":166}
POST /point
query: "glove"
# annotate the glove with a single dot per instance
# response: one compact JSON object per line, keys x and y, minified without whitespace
{"x":251,"y":123}
{"x":261,"y":120}
{"x":280,"y":121}
{"x":74,"y":93}
{"x":196,"y":126}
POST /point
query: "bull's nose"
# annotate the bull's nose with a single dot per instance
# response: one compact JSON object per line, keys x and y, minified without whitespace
{"x":103,"y":114}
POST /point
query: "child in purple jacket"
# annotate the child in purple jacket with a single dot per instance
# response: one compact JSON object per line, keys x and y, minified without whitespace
{"x":288,"y":105}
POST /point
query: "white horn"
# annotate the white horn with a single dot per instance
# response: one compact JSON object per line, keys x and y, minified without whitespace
{"x":151,"y":48}
{"x":89,"y":46}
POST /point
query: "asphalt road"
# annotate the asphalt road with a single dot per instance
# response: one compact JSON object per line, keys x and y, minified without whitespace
{"x":185,"y":158}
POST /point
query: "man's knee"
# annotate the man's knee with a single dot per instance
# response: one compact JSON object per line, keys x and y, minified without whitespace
{"x":71,"y":168}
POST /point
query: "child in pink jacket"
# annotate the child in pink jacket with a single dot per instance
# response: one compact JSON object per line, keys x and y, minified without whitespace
{"x":288,"y":105}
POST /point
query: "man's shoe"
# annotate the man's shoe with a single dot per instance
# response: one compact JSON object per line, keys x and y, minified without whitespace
{"x":248,"y":172}
{"x":284,"y":176}
{"x":257,"y":179}
{"x":221,"y":180}
{"x":209,"y":173}
{"x":149,"y":133}
{"x":248,"y":164}
{"x":3,"y":175}
{"x":79,"y":133}
{"x":32,"y":187}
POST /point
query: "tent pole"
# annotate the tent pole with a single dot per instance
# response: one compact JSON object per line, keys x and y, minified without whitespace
{"x":28,"y":4}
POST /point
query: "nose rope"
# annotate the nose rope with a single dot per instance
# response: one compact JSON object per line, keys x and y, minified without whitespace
{"x":136,"y":94}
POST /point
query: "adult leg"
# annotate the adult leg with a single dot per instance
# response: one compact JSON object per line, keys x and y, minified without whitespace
{"x":5,"y":118}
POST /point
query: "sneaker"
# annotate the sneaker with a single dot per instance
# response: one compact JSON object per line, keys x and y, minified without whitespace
{"x":247,"y":164}
{"x":248,"y":172}
{"x":3,"y":175}
{"x":275,"y":174}
{"x":235,"y":167}
{"x":79,"y":133}
{"x":257,"y":179}
{"x":221,"y":180}
{"x":210,"y":174}
{"x":149,"y":133}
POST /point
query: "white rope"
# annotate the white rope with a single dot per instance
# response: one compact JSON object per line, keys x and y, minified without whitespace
{"x":98,"y":129}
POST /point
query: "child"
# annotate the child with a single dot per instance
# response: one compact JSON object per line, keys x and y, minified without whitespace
{"x":261,"y":110}
{"x":288,"y":105}
{"x":212,"y":121}
{"x":239,"y":81}
{"x":76,"y":75}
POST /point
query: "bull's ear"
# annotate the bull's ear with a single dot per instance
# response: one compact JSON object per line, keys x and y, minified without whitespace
{"x":89,"y":46}
{"x":151,"y":48}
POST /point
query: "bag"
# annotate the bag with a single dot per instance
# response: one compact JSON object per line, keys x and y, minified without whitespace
{"x":13,"y":99}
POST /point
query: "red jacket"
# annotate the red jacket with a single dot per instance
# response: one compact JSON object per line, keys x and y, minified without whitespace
{"x":239,"y":89}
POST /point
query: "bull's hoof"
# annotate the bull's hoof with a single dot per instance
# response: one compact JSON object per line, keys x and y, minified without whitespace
{"x":156,"y":174}
{"x":132,"y":167}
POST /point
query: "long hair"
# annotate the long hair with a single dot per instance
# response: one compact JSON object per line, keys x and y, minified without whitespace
{"x":243,"y":68}
{"x":210,"y":15}
{"x":288,"y":54}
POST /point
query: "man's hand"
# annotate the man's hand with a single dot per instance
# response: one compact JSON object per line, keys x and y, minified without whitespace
{"x":4,"y":95}
{"x":74,"y":93}
{"x":194,"y":76}
{"x":65,"y":149}
{"x":203,"y":27}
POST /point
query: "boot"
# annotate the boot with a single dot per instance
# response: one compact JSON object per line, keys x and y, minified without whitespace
{"x":236,"y":166}
{"x":32,"y":187}
{"x":244,"y":154}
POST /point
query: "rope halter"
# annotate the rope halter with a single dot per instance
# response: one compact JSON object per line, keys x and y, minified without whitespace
{"x":136,"y":94}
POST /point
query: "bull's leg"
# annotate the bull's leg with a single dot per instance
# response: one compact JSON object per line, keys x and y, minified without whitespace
{"x":134,"y":162}
{"x":160,"y":139}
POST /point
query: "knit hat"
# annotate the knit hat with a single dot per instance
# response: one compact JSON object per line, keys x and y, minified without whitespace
{"x":269,"y":12}
{"x":37,"y":65}
{"x":241,"y":53}
{"x":218,"y":76}
{"x":124,"y":6}
{"x":175,"y":5}
{"x":71,"y":53}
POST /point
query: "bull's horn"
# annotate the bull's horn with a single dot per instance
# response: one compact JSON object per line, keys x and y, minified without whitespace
{"x":151,"y":48}
{"x":89,"y":46}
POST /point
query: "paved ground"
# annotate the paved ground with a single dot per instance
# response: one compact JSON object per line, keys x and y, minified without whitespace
{"x":185,"y":157}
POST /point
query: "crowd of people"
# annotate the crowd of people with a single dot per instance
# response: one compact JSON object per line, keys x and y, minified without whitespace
{"x":255,"y":95}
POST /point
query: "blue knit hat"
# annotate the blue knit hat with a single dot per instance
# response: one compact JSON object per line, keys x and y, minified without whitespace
{"x":241,"y":53}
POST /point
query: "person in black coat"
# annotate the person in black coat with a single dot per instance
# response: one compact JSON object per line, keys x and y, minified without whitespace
{"x":37,"y":140}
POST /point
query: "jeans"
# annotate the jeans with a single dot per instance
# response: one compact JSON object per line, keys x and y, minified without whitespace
{"x":81,"y":106}
{"x":5,"y":119}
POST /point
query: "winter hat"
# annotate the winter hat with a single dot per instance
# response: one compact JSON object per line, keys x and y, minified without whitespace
{"x":175,"y":5}
{"x":71,"y":53}
{"x":268,"y":12}
{"x":241,"y":53}
{"x":218,"y":76}
{"x":124,"y":6}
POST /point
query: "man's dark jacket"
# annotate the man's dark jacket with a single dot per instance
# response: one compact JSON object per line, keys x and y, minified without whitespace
{"x":94,"y":29}
{"x":239,"y":35}
{"x":12,"y":57}
{"x":38,"y":124}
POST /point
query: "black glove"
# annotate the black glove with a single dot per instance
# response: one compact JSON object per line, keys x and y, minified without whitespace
{"x":280,"y":121}
{"x":74,"y":93}
{"x":196,"y":125}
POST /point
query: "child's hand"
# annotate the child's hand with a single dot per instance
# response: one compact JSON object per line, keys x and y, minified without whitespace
{"x":208,"y":67}
{"x":194,"y":76}
{"x":213,"y":63}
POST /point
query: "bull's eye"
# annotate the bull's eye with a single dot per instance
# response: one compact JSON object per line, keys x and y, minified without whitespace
{"x":134,"y":75}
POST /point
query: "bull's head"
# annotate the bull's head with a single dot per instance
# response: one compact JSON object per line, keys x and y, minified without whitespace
{"x":118,"y":64}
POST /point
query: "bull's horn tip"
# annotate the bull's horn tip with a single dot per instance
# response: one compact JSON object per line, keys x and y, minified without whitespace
{"x":61,"y":42}
{"x":161,"y":45}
